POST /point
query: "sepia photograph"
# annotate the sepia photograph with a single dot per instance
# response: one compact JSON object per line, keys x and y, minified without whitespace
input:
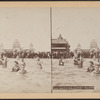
{"x":25,"y":50}
{"x":75,"y":49}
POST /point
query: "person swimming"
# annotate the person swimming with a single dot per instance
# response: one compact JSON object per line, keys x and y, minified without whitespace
{"x":61,"y":63}
{"x":16,"y":67}
{"x":76,"y":60}
{"x":22,"y":67}
{"x":91,"y":67}
{"x":97,"y":68}
{"x":22,"y":70}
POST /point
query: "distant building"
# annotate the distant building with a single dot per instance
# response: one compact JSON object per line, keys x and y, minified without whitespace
{"x":17,"y":50}
{"x":60,"y":47}
{"x":16,"y":46}
{"x":78,"y":49}
{"x":94,"y":46}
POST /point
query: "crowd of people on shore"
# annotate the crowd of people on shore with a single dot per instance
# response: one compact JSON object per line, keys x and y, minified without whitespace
{"x":26,"y":54}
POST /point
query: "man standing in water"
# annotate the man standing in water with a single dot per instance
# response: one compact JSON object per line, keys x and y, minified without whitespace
{"x":4,"y":61}
{"x":22,"y":67}
{"x":76,"y":59}
{"x":39,"y":63}
{"x":80,"y":62}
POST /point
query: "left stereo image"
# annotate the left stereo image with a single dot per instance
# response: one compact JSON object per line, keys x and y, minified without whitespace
{"x":25,"y":50}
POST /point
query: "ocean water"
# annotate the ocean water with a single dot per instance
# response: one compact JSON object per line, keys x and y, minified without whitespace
{"x":34,"y":81}
{"x":71,"y":75}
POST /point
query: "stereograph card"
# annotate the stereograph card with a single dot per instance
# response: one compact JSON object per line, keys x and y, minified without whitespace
{"x":49,"y":49}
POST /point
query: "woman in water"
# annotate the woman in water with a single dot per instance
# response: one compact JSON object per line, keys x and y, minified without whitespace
{"x":91,"y":67}
{"x":97,"y":68}
{"x":61,"y":63}
{"x":16,"y":67}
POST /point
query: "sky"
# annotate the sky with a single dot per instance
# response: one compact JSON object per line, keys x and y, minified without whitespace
{"x":32,"y":25}
{"x":27,"y":25}
{"x":77,"y":25}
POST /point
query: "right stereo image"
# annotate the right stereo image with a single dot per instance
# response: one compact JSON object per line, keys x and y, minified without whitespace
{"x":75,"y":48}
